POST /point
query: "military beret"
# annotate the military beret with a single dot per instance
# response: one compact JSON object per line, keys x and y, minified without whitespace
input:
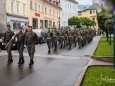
{"x":29,"y":26}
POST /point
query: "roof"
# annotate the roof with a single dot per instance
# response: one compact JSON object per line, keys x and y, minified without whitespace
{"x":73,"y":1}
{"x":92,"y":7}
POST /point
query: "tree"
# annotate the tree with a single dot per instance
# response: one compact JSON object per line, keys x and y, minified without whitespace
{"x":101,"y":22}
{"x":87,"y":21}
{"x":93,"y":23}
{"x":109,"y":25}
{"x":74,"y":21}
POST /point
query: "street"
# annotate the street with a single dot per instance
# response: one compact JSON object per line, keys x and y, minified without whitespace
{"x":61,"y":68}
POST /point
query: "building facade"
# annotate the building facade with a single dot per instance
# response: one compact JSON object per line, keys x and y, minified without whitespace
{"x":69,"y":9}
{"x":91,"y":13}
{"x":44,"y":13}
{"x":2,"y":16}
{"x":17,"y":13}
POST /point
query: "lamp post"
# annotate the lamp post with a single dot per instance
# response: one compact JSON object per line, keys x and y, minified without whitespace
{"x":59,"y":21}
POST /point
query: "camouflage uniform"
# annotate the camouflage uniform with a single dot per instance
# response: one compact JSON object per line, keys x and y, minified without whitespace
{"x":20,"y":45}
{"x":31,"y":40}
{"x":7,"y":37}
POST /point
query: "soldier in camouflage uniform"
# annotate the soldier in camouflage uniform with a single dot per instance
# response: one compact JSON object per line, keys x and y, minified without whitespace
{"x":48,"y":40}
{"x":7,"y":37}
{"x":31,"y":39}
{"x":20,"y":44}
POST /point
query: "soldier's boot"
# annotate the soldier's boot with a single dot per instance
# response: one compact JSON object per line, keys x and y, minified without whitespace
{"x":31,"y":62}
{"x":22,"y":60}
{"x":19,"y":63}
{"x":8,"y":62}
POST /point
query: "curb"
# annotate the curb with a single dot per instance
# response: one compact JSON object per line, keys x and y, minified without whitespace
{"x":96,"y":47}
{"x":81,"y":76}
{"x":104,"y":58}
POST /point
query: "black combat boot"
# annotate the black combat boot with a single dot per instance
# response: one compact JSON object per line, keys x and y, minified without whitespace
{"x":8,"y":62}
{"x":11,"y":60}
{"x":22,"y":60}
{"x":31,"y":62}
{"x":19,"y":63}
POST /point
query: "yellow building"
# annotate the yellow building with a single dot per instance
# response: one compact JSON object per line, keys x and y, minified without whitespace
{"x":91,"y":13}
{"x":17,"y":13}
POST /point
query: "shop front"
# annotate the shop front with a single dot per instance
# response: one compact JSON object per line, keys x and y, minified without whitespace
{"x":16,"y":21}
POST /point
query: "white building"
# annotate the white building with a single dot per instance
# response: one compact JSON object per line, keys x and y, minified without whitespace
{"x":69,"y":9}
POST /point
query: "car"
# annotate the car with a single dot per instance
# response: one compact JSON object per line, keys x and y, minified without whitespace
{"x":2,"y":44}
{"x":41,"y":35}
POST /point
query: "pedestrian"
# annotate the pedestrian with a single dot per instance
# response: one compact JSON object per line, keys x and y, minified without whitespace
{"x":20,"y":44}
{"x":7,"y":38}
{"x":31,"y":39}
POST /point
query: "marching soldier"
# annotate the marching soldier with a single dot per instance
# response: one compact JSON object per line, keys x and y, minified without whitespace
{"x":7,"y":37}
{"x":20,"y":45}
{"x":31,"y":39}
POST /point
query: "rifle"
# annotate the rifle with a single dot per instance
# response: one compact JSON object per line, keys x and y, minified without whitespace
{"x":13,"y":37}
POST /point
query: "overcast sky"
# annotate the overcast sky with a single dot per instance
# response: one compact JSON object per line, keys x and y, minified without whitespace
{"x":85,"y":2}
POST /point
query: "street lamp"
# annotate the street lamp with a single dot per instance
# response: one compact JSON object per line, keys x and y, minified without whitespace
{"x":59,"y":21}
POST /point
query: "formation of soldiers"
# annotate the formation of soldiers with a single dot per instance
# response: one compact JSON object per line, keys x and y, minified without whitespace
{"x":54,"y":38}
{"x":68,"y":37}
{"x":29,"y":38}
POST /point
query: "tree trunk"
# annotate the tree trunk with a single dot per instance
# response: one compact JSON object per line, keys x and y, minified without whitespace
{"x":107,"y":35}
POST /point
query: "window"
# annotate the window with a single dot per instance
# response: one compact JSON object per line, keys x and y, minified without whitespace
{"x":50,"y":12}
{"x":17,"y":7}
{"x":16,"y":25}
{"x":94,"y":19}
{"x":53,"y":12}
{"x":39,"y":8}
{"x":31,"y":3}
{"x":42,"y":9}
{"x":35,"y":7}
{"x":45,"y":10}
{"x":12,"y":6}
{"x":68,"y":6}
{"x":90,"y":11}
{"x":80,"y":13}
{"x":57,"y":14}
{"x":94,"y":11}
{"x":24,"y":9}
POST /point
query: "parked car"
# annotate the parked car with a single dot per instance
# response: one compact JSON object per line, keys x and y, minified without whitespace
{"x":41,"y":35}
{"x":4,"y":44}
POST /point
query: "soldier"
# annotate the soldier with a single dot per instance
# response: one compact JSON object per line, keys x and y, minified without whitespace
{"x":20,"y":44}
{"x":48,"y":40}
{"x":7,"y":37}
{"x":31,"y":39}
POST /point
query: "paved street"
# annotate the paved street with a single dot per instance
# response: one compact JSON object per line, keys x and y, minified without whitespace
{"x":61,"y":68}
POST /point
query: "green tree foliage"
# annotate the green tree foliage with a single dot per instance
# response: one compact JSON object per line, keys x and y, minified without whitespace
{"x":109,"y":23}
{"x":87,"y":21}
{"x":74,"y":21}
{"x":101,"y":20}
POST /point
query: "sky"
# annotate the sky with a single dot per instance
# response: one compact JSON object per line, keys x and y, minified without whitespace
{"x":85,"y":2}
